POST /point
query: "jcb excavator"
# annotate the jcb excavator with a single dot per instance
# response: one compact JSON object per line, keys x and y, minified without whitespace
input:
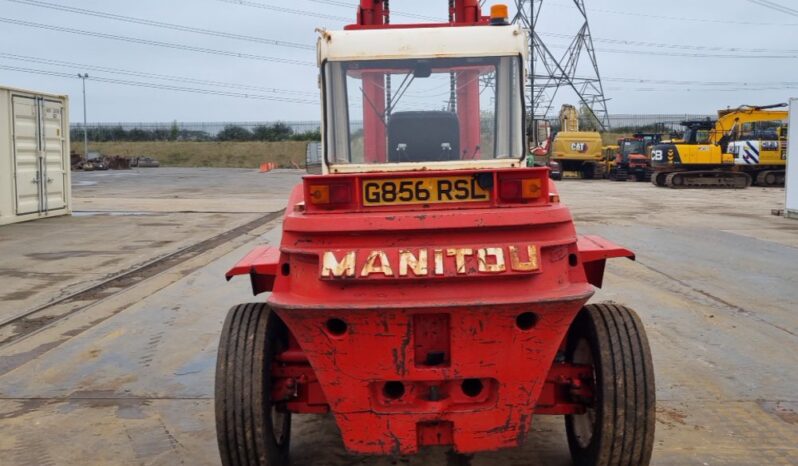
{"x":744,"y":145}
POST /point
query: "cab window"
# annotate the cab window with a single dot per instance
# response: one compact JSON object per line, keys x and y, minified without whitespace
{"x":423,"y":110}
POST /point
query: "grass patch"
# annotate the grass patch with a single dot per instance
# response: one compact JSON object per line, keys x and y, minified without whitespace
{"x":286,"y":154}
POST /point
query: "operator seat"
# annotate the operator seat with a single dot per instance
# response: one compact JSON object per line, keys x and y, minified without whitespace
{"x":423,"y":137}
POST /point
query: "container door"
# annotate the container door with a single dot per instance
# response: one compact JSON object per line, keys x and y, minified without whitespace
{"x":27,"y":173}
{"x":53,"y":155}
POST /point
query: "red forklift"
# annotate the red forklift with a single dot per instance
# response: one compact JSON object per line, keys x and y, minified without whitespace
{"x":429,"y":289}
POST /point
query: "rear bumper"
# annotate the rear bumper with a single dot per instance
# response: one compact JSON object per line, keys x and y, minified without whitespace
{"x":470,"y":377}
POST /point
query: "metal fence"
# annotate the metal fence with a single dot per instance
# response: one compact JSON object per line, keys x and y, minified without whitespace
{"x":184,"y":131}
{"x":198,"y":131}
{"x":663,"y":122}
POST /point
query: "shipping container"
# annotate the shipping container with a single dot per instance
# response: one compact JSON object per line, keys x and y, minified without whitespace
{"x":35,"y":180}
{"x":792,"y":162}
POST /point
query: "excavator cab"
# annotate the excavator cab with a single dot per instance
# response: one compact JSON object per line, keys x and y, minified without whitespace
{"x":698,"y":132}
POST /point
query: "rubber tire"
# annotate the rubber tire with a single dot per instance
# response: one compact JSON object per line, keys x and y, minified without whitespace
{"x":624,"y":390}
{"x":251,"y":336}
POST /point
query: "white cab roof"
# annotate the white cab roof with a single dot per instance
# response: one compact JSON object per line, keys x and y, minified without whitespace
{"x":433,"y":42}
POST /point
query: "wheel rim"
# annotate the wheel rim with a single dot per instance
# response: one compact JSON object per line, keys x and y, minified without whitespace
{"x":584,"y":424}
{"x":770,"y":179}
{"x":678,"y":180}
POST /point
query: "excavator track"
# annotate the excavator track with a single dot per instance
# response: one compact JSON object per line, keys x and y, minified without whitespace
{"x":658,"y":179}
{"x":770,"y":178}
{"x":710,"y":179}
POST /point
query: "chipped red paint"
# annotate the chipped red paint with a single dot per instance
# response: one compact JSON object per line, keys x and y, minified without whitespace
{"x":261,"y":266}
{"x":594,"y":252}
{"x":432,"y":336}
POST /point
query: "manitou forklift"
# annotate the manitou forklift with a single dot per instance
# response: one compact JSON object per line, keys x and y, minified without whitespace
{"x":429,"y":289}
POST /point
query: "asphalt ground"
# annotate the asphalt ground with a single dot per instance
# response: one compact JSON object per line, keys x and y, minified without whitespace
{"x":112,"y":318}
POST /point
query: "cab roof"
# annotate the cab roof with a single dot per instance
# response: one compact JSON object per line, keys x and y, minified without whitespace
{"x":436,"y":42}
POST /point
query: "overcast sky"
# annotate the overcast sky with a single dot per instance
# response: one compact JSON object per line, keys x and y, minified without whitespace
{"x":723,"y":48}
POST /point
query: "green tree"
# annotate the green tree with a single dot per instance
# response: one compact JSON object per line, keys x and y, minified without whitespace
{"x":275,"y":132}
{"x":174,"y":131}
{"x":234,"y":133}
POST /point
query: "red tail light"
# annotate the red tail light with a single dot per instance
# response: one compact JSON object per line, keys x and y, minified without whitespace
{"x":327,"y":193}
{"x":526,"y":188}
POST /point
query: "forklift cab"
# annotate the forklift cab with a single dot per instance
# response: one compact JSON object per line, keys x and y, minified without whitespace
{"x":423,"y":98}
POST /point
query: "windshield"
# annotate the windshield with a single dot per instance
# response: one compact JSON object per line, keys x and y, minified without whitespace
{"x":634,"y":147}
{"x":763,"y":130}
{"x":423,"y":110}
{"x":697,"y":135}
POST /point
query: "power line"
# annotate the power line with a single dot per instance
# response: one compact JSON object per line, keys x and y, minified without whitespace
{"x":311,"y":47}
{"x":633,"y":43}
{"x":283,"y":9}
{"x":679,"y":54}
{"x":428,"y":93}
{"x":702,"y":83}
{"x":178,"y":27}
{"x":165,"y":87}
{"x":696,"y":55}
{"x":775,"y":6}
{"x":684,"y":19}
{"x":684,"y":90}
{"x":404,"y":14}
{"x":170,"y":45}
{"x":175,"y":27}
{"x":141,"y":74}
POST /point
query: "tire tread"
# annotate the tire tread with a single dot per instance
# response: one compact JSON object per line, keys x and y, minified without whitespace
{"x":243,"y":413}
{"x":624,"y":434}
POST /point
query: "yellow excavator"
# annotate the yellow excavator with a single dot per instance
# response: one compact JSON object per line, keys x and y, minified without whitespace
{"x":743,"y":146}
{"x":578,"y":153}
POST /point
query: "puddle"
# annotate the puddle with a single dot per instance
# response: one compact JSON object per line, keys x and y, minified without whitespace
{"x":110,"y":173}
{"x":95,"y":213}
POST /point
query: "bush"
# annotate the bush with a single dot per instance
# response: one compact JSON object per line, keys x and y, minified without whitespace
{"x":234,"y":133}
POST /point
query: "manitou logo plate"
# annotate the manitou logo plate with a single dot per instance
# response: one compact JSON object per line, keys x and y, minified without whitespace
{"x":397,"y":263}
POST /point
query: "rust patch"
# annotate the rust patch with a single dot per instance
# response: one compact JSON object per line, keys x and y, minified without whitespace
{"x":787,"y":411}
{"x":671,"y":417}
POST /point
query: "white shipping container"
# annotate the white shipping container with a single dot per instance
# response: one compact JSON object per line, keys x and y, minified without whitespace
{"x":792,"y":162}
{"x":35,"y":179}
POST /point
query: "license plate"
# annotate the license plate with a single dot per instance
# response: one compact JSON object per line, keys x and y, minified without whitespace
{"x":432,"y":190}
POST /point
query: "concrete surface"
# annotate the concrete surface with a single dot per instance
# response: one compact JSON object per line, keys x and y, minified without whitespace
{"x":124,"y":219}
{"x":129,"y":379}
